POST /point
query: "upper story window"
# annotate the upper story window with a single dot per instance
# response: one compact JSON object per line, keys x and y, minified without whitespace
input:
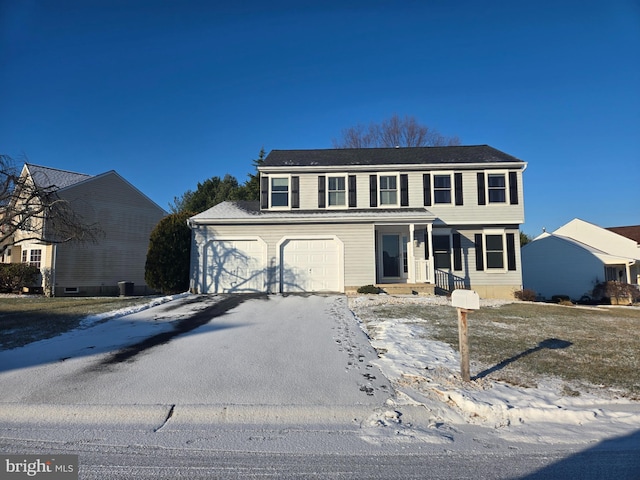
{"x":442,"y":189}
{"x":336,"y":191}
{"x":498,"y":188}
{"x":388,"y":190}
{"x":279,"y":191}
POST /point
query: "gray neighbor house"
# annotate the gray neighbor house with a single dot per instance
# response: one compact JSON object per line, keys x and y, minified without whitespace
{"x":410,"y":220}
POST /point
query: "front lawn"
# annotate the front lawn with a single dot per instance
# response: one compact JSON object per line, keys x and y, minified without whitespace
{"x":591,"y":349}
{"x":26,"y":319}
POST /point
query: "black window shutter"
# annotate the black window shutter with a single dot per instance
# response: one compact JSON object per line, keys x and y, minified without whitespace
{"x":457,"y":251}
{"x":353,"y":199}
{"x":295,"y":192}
{"x":481,"y":195}
{"x":404,"y":190}
{"x":322,"y":182}
{"x":458,"y":186}
{"x":511,"y":251}
{"x":426,"y":186}
{"x":264,"y":192}
{"x":513,"y":188}
{"x":479,"y":252}
{"x":373,"y":190}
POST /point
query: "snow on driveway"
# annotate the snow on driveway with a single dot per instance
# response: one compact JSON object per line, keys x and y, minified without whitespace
{"x":265,"y":350}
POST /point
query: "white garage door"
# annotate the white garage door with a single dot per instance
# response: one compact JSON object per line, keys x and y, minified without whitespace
{"x":234,"y":266}
{"x":311,"y":265}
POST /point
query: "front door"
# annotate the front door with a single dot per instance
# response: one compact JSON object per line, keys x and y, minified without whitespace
{"x":393,"y":257}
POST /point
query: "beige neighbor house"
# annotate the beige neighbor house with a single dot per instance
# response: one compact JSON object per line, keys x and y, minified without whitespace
{"x":125,"y":218}
{"x":577,"y":256}
{"x":416,"y":220}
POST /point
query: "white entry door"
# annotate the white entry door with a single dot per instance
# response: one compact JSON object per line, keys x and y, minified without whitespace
{"x":311,"y":265}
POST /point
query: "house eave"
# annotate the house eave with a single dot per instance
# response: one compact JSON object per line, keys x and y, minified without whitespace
{"x":267,"y":218}
{"x":289,"y":169}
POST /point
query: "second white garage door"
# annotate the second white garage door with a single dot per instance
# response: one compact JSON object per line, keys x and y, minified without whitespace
{"x":311,"y":265}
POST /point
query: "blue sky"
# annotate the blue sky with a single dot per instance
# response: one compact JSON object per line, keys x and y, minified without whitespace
{"x":170,"y":93}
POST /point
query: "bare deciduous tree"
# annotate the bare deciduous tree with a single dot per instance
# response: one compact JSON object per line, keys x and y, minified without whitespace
{"x":32,"y":210}
{"x":393,"y":132}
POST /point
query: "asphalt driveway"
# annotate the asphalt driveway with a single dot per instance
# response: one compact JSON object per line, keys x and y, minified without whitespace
{"x":206,"y":350}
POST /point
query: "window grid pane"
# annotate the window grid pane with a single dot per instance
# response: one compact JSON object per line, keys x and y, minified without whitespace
{"x":388,"y":190}
{"x":496,"y":184}
{"x":336,"y":191}
{"x":442,"y":188}
{"x":495,"y":251}
{"x":279,"y":192}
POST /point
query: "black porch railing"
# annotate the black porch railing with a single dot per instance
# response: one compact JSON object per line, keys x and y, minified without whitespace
{"x":447,"y":282}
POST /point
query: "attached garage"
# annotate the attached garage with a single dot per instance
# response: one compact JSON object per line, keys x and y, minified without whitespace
{"x":311,"y":265}
{"x":234,"y":266}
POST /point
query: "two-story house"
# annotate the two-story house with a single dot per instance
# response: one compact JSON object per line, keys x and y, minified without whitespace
{"x":332,"y":220}
{"x":122,"y":214}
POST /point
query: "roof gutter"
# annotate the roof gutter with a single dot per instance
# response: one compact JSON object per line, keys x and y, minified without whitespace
{"x":392,"y":168}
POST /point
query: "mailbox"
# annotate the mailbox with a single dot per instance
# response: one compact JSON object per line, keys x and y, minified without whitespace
{"x":467,"y":299}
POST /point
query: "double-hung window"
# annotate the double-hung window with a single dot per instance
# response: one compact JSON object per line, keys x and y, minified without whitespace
{"x":279,"y":191}
{"x":497,"y":188}
{"x":388,"y":190}
{"x":336,"y":191}
{"x":442,"y":189}
{"x":495,"y":251}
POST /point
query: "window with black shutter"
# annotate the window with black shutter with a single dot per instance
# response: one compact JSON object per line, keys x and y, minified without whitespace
{"x":458,"y":188}
{"x":481,"y":193}
{"x":322,"y":185}
{"x":479,"y":252}
{"x":511,"y":251}
{"x":373,"y":191}
{"x":426,"y":187}
{"x":295,"y":192}
{"x":404,"y":190}
{"x":457,"y":251}
{"x":264,"y":192}
{"x":353,"y":199}
{"x":513,"y":188}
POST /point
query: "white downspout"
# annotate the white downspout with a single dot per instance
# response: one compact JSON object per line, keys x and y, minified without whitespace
{"x":411,"y":261}
{"x":53,"y":270}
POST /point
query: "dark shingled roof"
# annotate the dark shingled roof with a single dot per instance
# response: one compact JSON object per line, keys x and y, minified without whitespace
{"x":46,"y":177}
{"x":632,"y":232}
{"x":386,"y":156}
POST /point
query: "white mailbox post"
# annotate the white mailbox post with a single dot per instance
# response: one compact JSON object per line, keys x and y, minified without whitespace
{"x":465,"y":301}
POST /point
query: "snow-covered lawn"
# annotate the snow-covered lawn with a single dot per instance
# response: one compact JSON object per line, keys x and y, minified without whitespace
{"x":426,"y":372}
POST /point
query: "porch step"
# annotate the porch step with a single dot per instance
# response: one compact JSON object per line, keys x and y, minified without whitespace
{"x":407,"y":288}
